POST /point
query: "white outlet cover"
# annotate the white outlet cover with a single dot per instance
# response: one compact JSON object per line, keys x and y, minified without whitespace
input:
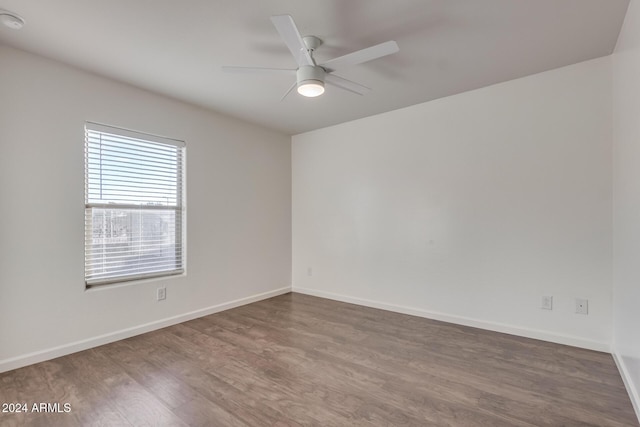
{"x":582,"y":306}
{"x":546,"y":303}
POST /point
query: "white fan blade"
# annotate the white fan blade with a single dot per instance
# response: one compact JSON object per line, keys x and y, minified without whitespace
{"x":360,"y":56}
{"x":346,"y":84}
{"x":292,"y":38}
{"x":253,"y":70}
{"x":288,"y":91}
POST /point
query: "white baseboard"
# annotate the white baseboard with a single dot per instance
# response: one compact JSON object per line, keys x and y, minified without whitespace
{"x":632,"y":389}
{"x":62,"y":350}
{"x":482,"y":324}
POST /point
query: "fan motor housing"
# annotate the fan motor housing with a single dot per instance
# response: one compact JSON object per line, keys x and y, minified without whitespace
{"x":310,"y":74}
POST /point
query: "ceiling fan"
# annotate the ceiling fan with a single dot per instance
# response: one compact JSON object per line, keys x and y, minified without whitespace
{"x":310,"y":76}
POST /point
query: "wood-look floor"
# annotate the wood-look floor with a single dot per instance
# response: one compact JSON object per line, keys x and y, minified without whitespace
{"x":300,"y":360}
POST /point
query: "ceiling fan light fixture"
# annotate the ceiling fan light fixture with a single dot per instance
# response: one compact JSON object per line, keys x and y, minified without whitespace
{"x":311,"y":88}
{"x":310,"y":80}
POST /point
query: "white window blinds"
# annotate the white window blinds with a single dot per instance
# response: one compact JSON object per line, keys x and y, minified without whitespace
{"x":133,"y":205}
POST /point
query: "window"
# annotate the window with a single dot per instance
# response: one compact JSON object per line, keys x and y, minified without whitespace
{"x":133,"y":205}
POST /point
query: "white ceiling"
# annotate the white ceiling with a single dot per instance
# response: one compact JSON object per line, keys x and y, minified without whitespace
{"x":177,"y":48}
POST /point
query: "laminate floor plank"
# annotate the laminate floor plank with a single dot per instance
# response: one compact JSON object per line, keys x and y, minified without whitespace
{"x":176,"y":362}
{"x":258,"y":331}
{"x":520,"y":359}
{"x":169,"y":386}
{"x":31,"y":387}
{"x":377,"y":366}
{"x":438,"y":388}
{"x":171,"y":391}
{"x":257,"y":370}
{"x":319,"y":351}
{"x":398,"y":352}
{"x":297,"y":360}
{"x":123,"y":393}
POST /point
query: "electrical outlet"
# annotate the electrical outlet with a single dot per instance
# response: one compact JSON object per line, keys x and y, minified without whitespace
{"x":161,"y":294}
{"x":309,"y":271}
{"x":582,"y":306}
{"x":547,"y":303}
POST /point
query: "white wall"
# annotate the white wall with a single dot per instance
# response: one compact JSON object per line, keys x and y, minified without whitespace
{"x":468,"y":208}
{"x":626,"y":202}
{"x":238,"y":211}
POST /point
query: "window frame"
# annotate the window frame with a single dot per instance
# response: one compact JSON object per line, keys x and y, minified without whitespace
{"x":134,"y":208}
